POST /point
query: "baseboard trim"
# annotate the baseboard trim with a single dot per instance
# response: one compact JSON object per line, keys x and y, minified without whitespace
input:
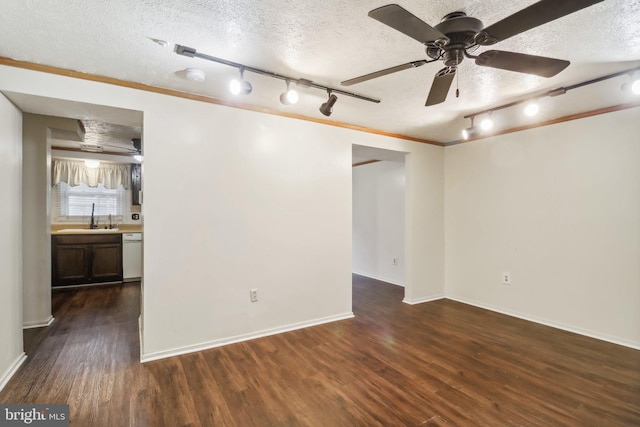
{"x":9,"y":373}
{"x":381,"y":279}
{"x":421,"y":300}
{"x":32,"y":325}
{"x":86,"y":285}
{"x":140,"y":336}
{"x":240,"y":338}
{"x":557,"y":325}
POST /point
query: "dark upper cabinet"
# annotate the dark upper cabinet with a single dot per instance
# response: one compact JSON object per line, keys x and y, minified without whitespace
{"x":136,"y":184}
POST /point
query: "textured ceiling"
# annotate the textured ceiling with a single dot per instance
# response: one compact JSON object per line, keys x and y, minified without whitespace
{"x":109,"y":136}
{"x":326,"y":42}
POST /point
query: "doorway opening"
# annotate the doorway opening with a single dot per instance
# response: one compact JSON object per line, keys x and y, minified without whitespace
{"x":378,"y":214}
{"x":56,"y":129}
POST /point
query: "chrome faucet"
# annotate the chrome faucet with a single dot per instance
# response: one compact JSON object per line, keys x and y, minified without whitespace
{"x":110,"y":225}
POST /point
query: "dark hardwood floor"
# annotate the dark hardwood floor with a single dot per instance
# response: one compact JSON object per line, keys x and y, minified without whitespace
{"x":435,"y":364}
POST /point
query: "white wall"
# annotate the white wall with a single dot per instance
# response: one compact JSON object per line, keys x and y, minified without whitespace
{"x":36,"y":215}
{"x":269,"y":207}
{"x":378,"y":221}
{"x":559,"y":208}
{"x":424,"y":219}
{"x":236,"y":200}
{"x":11,"y":353}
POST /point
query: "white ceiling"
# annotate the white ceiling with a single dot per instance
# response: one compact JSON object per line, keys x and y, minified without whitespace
{"x":326,"y":42}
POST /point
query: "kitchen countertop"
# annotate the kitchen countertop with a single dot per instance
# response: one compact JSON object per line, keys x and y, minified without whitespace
{"x":84,"y":229}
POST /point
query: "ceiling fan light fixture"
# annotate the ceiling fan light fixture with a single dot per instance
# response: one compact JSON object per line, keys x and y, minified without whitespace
{"x":327,"y":107}
{"x":531,"y":109}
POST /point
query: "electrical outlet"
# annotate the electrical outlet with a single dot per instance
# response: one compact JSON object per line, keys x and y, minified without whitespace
{"x":506,"y":278}
{"x":253,"y":293}
{"x":395,"y":261}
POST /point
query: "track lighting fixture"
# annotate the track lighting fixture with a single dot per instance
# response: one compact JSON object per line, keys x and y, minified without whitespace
{"x":471,"y":131}
{"x":632,"y":86}
{"x":531,"y":109}
{"x":240,"y":86}
{"x":289,"y":96}
{"x":487,"y":124}
{"x":557,"y":92}
{"x":327,"y":107}
{"x":531,"y":106}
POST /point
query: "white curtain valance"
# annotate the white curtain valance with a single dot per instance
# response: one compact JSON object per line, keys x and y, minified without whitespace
{"x":74,"y":173}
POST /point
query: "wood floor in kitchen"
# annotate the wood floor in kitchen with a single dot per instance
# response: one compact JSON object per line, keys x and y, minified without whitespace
{"x":440,"y":363}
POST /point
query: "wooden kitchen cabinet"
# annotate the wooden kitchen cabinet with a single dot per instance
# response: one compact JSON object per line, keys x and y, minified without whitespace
{"x":79,"y":259}
{"x":136,"y":184}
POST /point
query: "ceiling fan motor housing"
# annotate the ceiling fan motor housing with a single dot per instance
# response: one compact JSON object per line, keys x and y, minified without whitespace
{"x":460,"y":30}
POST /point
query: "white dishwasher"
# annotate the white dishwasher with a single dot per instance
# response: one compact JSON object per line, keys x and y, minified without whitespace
{"x":131,"y":256}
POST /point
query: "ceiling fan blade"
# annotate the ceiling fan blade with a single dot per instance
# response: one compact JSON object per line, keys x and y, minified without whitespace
{"x":440,"y":86}
{"x":384,"y":72}
{"x":530,"y":17}
{"x":521,"y":63}
{"x":400,"y":19}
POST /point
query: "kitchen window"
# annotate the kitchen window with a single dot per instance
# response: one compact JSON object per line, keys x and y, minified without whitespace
{"x":75,"y":203}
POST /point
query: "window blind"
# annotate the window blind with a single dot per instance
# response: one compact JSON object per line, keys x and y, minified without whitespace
{"x":78,"y":201}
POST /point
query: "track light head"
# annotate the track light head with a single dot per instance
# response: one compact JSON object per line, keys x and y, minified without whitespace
{"x":327,"y":107}
{"x":486,"y":124}
{"x":531,"y":109}
{"x":240,"y":86}
{"x":289,"y":96}
{"x":632,"y":86}
{"x":470,"y":132}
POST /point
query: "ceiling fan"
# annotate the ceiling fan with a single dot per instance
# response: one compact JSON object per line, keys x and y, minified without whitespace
{"x":457,"y":35}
